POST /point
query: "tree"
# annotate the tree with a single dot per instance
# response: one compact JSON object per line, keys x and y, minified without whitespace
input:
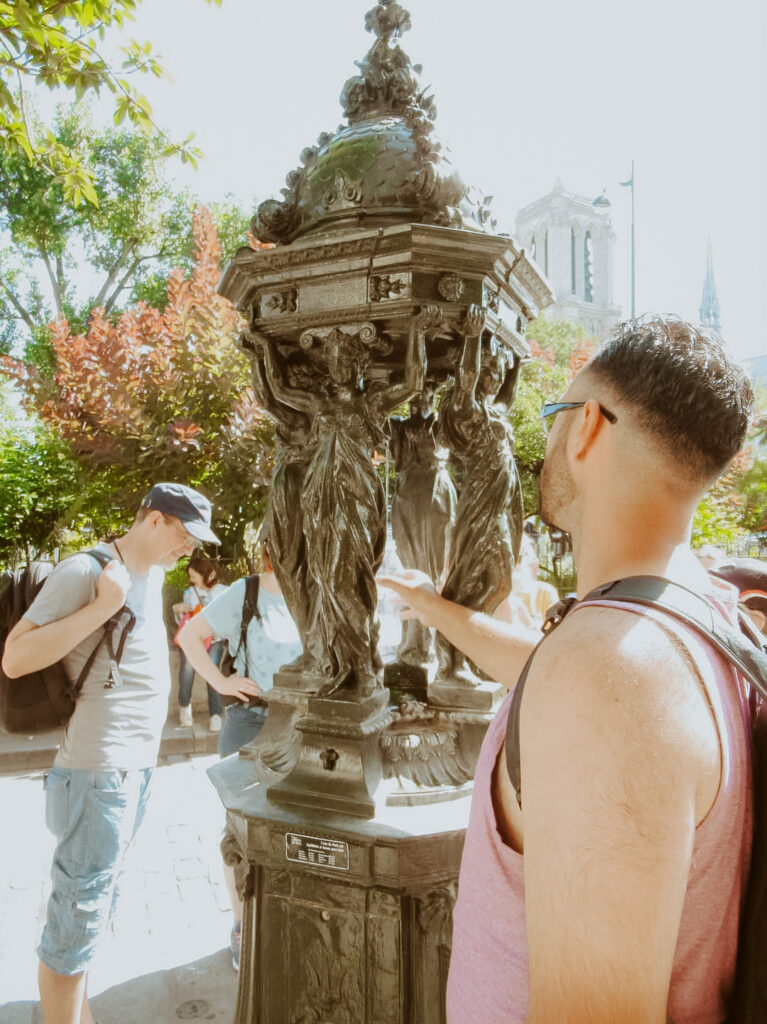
{"x":106,"y":255}
{"x":56,"y":43}
{"x":39,"y":482}
{"x":559,"y":349}
{"x":161,"y":394}
{"x":752,"y":484}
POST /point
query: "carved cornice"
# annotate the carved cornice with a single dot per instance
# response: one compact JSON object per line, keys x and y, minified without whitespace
{"x":282,"y":259}
{"x":451,"y":287}
{"x":387,"y":286}
{"x":275,"y":303}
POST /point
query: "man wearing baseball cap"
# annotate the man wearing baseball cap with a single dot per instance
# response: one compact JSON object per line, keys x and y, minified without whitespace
{"x":96,"y":791}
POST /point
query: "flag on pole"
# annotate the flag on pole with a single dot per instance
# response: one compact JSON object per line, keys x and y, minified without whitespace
{"x":629,"y":183}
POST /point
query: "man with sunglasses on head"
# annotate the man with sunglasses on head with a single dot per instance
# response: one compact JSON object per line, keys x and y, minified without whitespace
{"x":604,"y":883}
{"x":96,"y":791}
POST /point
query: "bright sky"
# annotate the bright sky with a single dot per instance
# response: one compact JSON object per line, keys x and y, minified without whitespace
{"x":525,"y":92}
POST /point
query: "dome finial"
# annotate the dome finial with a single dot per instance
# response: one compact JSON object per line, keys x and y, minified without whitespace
{"x":388,"y":80}
{"x":388,"y":20}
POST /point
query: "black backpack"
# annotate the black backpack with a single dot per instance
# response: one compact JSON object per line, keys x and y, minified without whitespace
{"x":45,"y":699}
{"x":249,"y":611}
{"x":744,"y":649}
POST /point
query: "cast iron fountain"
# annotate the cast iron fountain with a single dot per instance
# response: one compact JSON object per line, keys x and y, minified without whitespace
{"x":388,"y":312}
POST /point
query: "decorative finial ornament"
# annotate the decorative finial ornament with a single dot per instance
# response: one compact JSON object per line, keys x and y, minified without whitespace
{"x":388,"y":80}
{"x":389,"y":19}
{"x":386,"y":163}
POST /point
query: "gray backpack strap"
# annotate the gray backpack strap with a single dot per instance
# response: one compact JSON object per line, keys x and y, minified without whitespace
{"x":743,"y":649}
{"x":124,"y":615}
{"x":554,"y":616}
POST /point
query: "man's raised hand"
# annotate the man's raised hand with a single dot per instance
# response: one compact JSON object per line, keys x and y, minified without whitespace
{"x":112,"y":587}
{"x":416,"y":592}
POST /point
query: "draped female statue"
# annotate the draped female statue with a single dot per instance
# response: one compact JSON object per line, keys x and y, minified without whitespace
{"x":342,"y":500}
{"x":488,"y":525}
{"x":283,"y":524}
{"x":423,"y":509}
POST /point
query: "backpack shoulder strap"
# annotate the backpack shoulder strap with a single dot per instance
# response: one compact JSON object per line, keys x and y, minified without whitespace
{"x":102,"y":557}
{"x":249,"y":609}
{"x":250,"y":605}
{"x":743,"y":648}
{"x":110,"y":628}
{"x":554,"y":617}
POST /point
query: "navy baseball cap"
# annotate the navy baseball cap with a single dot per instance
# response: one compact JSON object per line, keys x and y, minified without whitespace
{"x":186,"y":504}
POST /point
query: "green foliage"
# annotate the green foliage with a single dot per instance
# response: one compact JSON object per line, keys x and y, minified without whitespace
{"x":540,"y":382}
{"x":154,"y":395}
{"x":39,"y":481}
{"x":56,"y":43}
{"x":124,"y":247}
{"x":559,"y":339}
{"x":559,"y":347}
{"x":753,"y":489}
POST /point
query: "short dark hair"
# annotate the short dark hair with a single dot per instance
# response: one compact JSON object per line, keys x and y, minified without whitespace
{"x":689,"y":393}
{"x":208,"y":568}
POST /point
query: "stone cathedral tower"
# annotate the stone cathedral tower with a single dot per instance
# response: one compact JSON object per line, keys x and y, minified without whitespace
{"x":571,"y":239}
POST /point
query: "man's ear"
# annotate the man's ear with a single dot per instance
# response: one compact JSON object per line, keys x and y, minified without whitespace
{"x":590,"y":423}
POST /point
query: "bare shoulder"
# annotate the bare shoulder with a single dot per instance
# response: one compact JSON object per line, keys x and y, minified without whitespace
{"x":616,"y":653}
{"x":619,"y":685}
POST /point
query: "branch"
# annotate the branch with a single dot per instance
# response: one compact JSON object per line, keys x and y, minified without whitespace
{"x":121,"y":284}
{"x":62,"y":285}
{"x":23,"y":313}
{"x":113,"y":271}
{"x":54,"y":283}
{"x":131,"y":270}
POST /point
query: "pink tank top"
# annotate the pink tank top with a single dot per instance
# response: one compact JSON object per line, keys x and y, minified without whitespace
{"x":488,"y":979}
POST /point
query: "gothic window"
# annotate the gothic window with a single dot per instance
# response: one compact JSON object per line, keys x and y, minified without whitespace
{"x":588,"y":268}
{"x":533,"y":248}
{"x":572,"y":260}
{"x":546,"y":253}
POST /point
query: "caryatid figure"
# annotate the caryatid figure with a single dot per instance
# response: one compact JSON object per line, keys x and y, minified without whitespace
{"x":423,"y":510}
{"x":489,"y":519}
{"x":283,"y":523}
{"x":343,"y":502}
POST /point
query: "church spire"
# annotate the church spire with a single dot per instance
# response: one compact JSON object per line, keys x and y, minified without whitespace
{"x":709,"y":306}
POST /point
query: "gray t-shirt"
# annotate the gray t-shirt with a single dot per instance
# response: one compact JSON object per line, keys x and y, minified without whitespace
{"x":120,"y":728}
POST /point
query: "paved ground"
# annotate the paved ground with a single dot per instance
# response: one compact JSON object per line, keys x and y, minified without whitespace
{"x":167,"y":957}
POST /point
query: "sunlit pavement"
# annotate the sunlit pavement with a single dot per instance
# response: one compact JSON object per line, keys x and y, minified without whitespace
{"x":166,"y":957}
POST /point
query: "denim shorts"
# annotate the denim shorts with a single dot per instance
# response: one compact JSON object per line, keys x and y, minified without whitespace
{"x":94,"y":816}
{"x":241,"y":725}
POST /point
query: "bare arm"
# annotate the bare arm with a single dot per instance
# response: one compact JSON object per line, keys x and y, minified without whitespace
{"x":467,"y":370}
{"x":180,"y":609}
{"x":415,"y":367}
{"x":261,"y":387}
{"x":619,"y":759}
{"x":500,"y":648}
{"x":190,"y":640}
{"x":508,"y":390}
{"x":30,"y":647}
{"x":303,"y":401}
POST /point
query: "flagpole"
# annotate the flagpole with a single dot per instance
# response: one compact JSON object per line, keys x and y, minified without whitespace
{"x":633,"y":251}
{"x":630,"y":184}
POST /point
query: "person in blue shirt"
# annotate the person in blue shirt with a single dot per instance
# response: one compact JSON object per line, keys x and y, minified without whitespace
{"x":204,"y":587}
{"x":272,"y":640}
